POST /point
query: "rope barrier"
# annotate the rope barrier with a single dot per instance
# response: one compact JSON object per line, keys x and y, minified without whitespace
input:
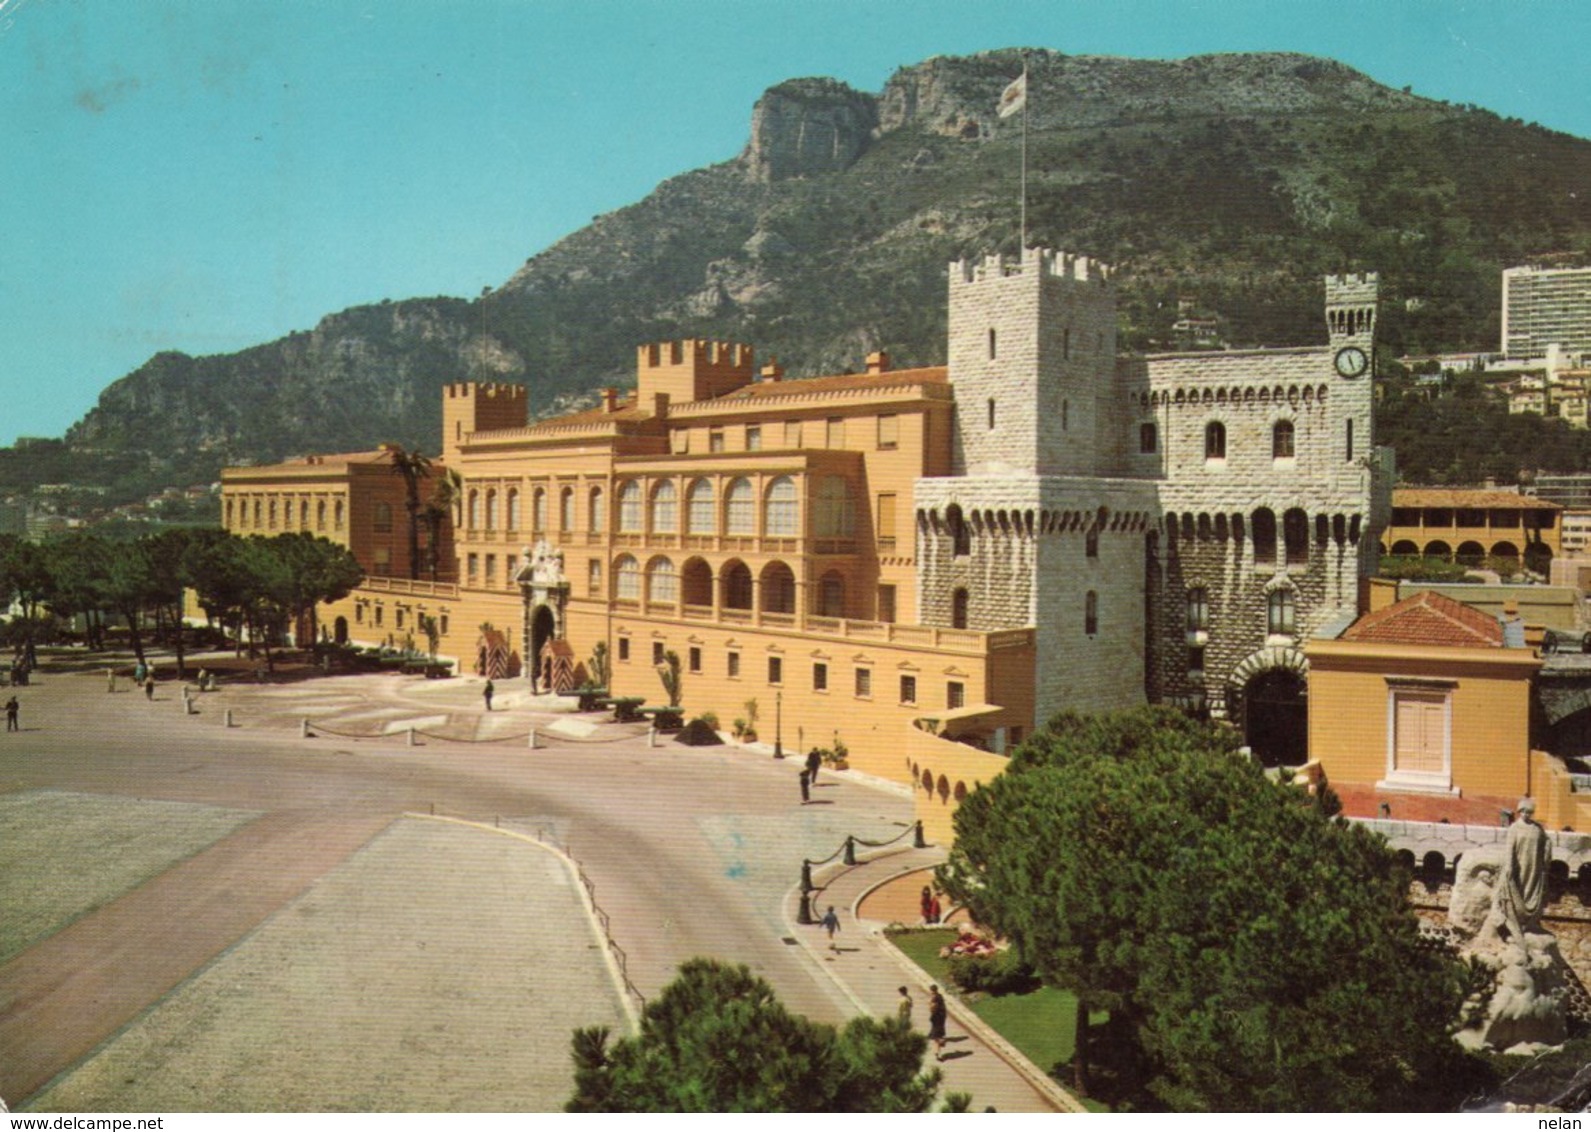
{"x":521,"y":737}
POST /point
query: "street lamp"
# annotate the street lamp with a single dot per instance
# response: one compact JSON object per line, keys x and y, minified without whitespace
{"x":778,"y":724}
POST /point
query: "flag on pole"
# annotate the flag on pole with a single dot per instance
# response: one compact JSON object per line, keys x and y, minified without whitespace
{"x":1015,"y":96}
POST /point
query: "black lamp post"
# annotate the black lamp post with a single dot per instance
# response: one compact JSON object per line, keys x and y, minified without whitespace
{"x":778,"y":724}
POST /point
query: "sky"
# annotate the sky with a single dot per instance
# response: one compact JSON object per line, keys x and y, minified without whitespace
{"x":205,"y":175}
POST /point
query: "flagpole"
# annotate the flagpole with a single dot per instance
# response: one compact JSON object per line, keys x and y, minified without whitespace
{"x":1022,"y":247}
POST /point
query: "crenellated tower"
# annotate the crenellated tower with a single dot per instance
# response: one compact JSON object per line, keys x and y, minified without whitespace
{"x":472,"y":406}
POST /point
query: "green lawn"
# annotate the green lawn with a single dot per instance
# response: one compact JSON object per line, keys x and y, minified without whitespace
{"x":1042,"y":1024}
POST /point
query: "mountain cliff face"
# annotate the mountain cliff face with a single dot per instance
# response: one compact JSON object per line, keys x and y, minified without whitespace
{"x":1231,"y":182}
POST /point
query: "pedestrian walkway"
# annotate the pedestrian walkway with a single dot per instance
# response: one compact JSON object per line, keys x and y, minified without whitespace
{"x":869,"y":970}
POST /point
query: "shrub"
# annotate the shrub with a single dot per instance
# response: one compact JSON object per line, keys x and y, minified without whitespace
{"x":699,"y":733}
{"x":1001,"y":972}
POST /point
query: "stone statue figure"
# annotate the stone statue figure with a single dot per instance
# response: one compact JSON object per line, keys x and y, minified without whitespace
{"x":1522,"y":888}
{"x":544,"y":565}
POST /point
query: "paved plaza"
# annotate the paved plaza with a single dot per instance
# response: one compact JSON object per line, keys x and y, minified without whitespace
{"x":203,"y":917}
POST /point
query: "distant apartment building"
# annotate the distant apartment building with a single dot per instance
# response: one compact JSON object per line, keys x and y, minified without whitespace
{"x":1546,"y":306}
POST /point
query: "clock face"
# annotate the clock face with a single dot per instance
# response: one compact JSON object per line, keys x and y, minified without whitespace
{"x":1351,"y":361}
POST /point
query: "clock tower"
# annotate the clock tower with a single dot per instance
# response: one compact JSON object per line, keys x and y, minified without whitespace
{"x":1351,"y":322}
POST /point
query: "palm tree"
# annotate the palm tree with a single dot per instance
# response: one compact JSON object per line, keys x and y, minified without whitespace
{"x":445,"y":494}
{"x":414,"y":466}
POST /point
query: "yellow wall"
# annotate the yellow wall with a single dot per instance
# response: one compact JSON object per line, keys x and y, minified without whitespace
{"x":1490,"y":710}
{"x":942,"y":773}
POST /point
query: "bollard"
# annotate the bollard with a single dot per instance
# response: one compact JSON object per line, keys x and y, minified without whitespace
{"x":227,"y":722}
{"x":411,"y":736}
{"x":806,"y":877}
{"x":804,"y":916}
{"x":187,"y":703}
{"x":850,"y":850}
{"x":304,"y":727}
{"x":651,"y":736}
{"x":533,"y":738}
{"x":918,"y":842}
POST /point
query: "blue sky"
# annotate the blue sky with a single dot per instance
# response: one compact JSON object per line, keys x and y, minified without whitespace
{"x":204,"y":176}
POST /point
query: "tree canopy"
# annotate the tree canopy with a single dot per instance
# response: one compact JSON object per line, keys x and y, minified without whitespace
{"x":718,"y":1040}
{"x":1254,"y":954}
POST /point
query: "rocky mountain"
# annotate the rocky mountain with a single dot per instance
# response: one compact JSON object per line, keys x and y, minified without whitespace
{"x":1223,"y":185}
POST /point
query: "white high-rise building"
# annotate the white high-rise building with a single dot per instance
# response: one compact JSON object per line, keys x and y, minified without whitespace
{"x":1545,"y":306}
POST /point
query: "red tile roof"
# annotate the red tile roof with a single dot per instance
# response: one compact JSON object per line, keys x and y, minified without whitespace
{"x":889,"y":379}
{"x":1364,"y":801}
{"x":1467,"y":497}
{"x":1428,"y":618}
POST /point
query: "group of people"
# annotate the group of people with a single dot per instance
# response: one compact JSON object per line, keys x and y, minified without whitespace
{"x":937,"y":1012}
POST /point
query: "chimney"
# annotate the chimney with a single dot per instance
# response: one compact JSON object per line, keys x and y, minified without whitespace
{"x":773,"y":371}
{"x":610,"y":399}
{"x":878,"y":362}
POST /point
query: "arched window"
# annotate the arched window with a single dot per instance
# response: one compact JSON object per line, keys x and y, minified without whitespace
{"x":665,"y":508}
{"x":337,"y":514}
{"x":1295,"y":536}
{"x":630,"y":506}
{"x":627,"y":571}
{"x":475,"y":510}
{"x":514,"y":516}
{"x":566,"y":510}
{"x":538,"y":510}
{"x":1091,"y":543}
{"x":229,"y":512}
{"x":1282,"y":440}
{"x":1091,"y":613}
{"x":959,"y":603}
{"x":1148,"y":437}
{"x":382,"y":520}
{"x":491,"y":508}
{"x":1215,"y":441}
{"x":779,"y":514}
{"x":662,"y":583}
{"x":303,"y":515}
{"x":740,"y":515}
{"x":320,"y":515}
{"x":271,"y":511}
{"x":598,"y":516}
{"x":1280,"y":612}
{"x":1198,"y":609}
{"x":960,"y":534}
{"x":701,"y":517}
{"x":836,"y":517}
{"x":1264,"y":528}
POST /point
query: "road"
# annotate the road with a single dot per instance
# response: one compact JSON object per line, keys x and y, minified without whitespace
{"x":690,"y":851}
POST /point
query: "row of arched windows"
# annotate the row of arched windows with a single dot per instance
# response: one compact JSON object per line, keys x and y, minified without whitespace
{"x":772,"y":591}
{"x":1260,"y":526}
{"x":1282,"y":446}
{"x":265,"y":514}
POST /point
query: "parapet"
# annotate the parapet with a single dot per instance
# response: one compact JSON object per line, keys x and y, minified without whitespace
{"x":694,"y":369}
{"x":495,"y":390}
{"x":1353,"y":288}
{"x":1045,"y":261}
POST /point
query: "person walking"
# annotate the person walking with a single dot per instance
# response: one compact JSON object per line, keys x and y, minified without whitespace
{"x":487,"y":693}
{"x":935,"y":911}
{"x":831,"y":924}
{"x":926,"y":904}
{"x":814,"y":760}
{"x":937,"y":1013}
{"x":903,"y":1008}
{"x":806,"y":794}
{"x":12,"y":707}
{"x":149,"y":686}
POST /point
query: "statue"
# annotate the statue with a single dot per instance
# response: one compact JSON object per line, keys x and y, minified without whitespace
{"x":544,"y":565}
{"x":1495,"y":910}
{"x":1522,"y":888}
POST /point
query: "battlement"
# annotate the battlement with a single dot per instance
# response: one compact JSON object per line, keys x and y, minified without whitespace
{"x":1044,"y":261}
{"x":490,"y":389}
{"x":1353,"y":288}
{"x":694,"y":369}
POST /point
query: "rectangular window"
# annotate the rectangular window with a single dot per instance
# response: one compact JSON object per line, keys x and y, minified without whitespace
{"x":792,"y":434}
{"x":1196,"y":660}
{"x":908,"y":689}
{"x":835,"y":427}
{"x":955,"y":695}
{"x":888,"y":431}
{"x":1281,"y":613}
{"x":886,"y":521}
{"x":695,"y":658}
{"x":594,"y":577}
{"x":864,"y":681}
{"x":734,"y":664}
{"x":474,"y":561}
{"x":682,"y":441}
{"x":886,"y":604}
{"x":1420,"y":736}
{"x":820,"y":678}
{"x":715,"y":440}
{"x":657,"y":652}
{"x":1198,"y":609}
{"x":1348,"y":441}
{"x":753,"y":438}
{"x":775,"y":670}
{"x":511,"y":569}
{"x":491,"y":569}
{"x":624,"y":648}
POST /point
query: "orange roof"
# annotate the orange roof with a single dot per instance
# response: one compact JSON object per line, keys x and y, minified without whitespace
{"x":889,"y":379}
{"x":1466,"y":497}
{"x":627,"y":410}
{"x":1428,"y":618}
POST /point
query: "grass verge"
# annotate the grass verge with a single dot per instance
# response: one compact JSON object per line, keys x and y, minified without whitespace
{"x":1042,"y":1024}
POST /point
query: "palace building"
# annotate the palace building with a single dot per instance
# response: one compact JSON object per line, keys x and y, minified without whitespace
{"x":923,"y":563}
